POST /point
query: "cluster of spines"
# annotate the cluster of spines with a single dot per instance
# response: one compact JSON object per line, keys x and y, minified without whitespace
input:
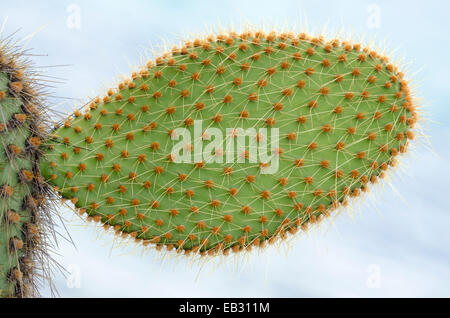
{"x":140,"y":87}
{"x":23,"y":191}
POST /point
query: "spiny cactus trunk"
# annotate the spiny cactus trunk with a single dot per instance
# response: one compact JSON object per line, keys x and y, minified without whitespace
{"x":23,"y":192}
{"x":343,"y":113}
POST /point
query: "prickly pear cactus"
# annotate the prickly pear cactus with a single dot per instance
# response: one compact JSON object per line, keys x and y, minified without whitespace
{"x":332,"y":115}
{"x":22,"y":189}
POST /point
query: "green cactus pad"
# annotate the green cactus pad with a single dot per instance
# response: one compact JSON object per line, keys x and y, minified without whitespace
{"x":343,"y":114}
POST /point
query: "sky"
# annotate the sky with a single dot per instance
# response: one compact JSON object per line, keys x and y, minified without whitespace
{"x":393,"y":244}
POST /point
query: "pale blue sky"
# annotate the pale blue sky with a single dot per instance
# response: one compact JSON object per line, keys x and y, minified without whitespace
{"x":402,"y":232}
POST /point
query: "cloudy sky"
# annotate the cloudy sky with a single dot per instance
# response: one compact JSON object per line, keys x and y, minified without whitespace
{"x":396,"y":243}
